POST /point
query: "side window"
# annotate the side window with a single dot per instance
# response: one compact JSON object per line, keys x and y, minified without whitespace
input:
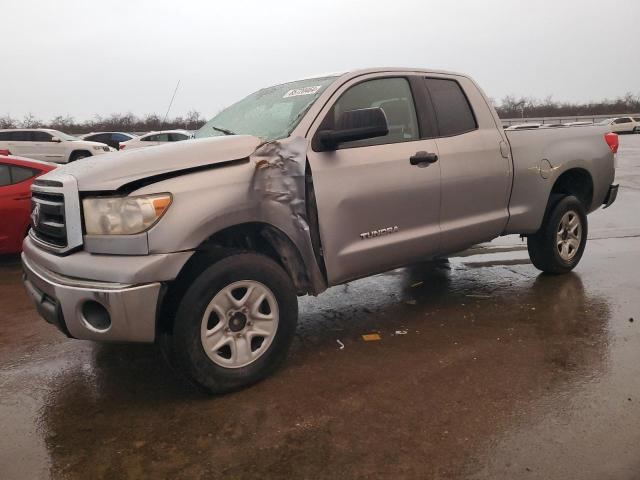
{"x":160,"y":137}
{"x":5,"y":136}
{"x":20,"y":174}
{"x":5,"y":177}
{"x":119,"y":137}
{"x":451,"y":106}
{"x":40,"y":137}
{"x":623,"y":120}
{"x":176,"y":137}
{"x":21,"y":136}
{"x":393,"y":96}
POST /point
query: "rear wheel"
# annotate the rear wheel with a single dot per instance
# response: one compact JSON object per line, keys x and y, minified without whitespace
{"x":559,"y":244}
{"x":234,"y":324}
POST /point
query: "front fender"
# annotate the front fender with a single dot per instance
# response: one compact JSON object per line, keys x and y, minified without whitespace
{"x":268,"y":189}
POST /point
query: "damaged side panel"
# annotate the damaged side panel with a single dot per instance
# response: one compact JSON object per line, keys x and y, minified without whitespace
{"x":279,"y":181}
{"x":268,"y":190}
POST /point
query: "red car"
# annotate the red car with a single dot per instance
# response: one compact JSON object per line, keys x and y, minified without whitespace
{"x":16,"y":176}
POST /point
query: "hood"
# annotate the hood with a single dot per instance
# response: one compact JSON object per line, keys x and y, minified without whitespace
{"x":112,"y":170}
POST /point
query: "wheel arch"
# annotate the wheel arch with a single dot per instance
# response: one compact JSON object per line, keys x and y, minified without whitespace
{"x":575,"y":181}
{"x":257,"y":237}
{"x":74,"y":153}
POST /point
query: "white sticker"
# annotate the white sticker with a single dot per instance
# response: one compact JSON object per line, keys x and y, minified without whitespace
{"x":296,"y":92}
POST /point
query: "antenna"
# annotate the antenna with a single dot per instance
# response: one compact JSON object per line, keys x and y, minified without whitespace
{"x":171,"y":103}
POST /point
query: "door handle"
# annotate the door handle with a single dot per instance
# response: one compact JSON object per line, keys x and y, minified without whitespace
{"x":423,"y":157}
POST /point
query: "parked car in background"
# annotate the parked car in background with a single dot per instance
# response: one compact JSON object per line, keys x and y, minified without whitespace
{"x":113,"y":139}
{"x":49,"y":145}
{"x":156,"y":138}
{"x":623,"y":124}
{"x":16,"y":176}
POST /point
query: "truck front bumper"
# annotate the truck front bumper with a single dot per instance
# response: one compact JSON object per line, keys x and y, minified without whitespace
{"x":93,"y":310}
{"x":100,"y":297}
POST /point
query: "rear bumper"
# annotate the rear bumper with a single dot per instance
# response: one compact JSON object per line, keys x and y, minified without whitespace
{"x":93,"y":310}
{"x":612,"y":194}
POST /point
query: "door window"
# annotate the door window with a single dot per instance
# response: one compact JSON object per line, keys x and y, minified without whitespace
{"x":393,"y":96}
{"x":176,"y":137}
{"x":160,"y":137}
{"x":20,"y":136}
{"x":452,"y":109}
{"x":5,"y":176}
{"x":20,"y":174}
{"x":120,"y":137}
{"x":40,"y":137}
{"x":100,"y":138}
{"x":623,"y":120}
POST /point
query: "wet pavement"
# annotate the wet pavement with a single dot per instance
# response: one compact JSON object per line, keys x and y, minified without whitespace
{"x":486,"y":369}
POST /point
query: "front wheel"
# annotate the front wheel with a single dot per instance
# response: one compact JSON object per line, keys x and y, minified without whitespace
{"x":559,"y":244}
{"x":234,"y":324}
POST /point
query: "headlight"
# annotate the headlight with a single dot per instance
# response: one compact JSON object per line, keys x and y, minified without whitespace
{"x":123,"y":215}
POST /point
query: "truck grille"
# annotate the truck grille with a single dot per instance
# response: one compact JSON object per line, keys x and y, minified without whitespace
{"x":48,"y":218}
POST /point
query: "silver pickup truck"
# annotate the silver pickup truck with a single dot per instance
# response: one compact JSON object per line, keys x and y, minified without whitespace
{"x":204,"y":245}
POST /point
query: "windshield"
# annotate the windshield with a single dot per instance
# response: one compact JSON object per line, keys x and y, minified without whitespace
{"x":271,"y":113}
{"x":62,"y":136}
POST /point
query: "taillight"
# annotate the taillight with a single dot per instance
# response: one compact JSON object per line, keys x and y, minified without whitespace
{"x":4,"y":152}
{"x":122,"y":145}
{"x":612,"y":140}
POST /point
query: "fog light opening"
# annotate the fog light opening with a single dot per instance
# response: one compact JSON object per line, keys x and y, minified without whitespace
{"x":96,"y":315}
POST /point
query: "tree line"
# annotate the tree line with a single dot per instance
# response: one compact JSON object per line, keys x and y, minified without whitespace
{"x":115,"y":122}
{"x":509,"y":107}
{"x":514,"y":107}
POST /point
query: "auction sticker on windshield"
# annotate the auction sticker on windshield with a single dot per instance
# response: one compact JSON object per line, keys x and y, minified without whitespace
{"x":302,"y":91}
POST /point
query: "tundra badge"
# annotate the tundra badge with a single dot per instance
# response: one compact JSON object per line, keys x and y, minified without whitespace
{"x":378,"y":233}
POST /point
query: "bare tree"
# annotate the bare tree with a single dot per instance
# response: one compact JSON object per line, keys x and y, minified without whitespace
{"x":8,"y":122}
{"x":30,"y":121}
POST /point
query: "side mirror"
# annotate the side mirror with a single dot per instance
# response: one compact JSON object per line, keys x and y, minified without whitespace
{"x":355,"y":125}
{"x":56,"y":139}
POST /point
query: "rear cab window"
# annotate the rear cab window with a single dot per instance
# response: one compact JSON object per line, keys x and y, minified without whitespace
{"x":452,"y":109}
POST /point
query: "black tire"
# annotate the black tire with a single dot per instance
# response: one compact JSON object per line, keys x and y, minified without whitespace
{"x":183,"y":346}
{"x":78,"y":155}
{"x":543,"y":245}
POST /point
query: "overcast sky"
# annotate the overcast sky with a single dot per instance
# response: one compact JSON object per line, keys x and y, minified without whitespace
{"x":84,"y":57}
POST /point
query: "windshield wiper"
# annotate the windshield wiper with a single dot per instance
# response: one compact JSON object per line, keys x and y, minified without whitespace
{"x":223,"y":130}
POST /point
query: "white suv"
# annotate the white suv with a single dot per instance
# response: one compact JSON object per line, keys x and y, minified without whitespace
{"x":623,"y":124}
{"x":49,"y":145}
